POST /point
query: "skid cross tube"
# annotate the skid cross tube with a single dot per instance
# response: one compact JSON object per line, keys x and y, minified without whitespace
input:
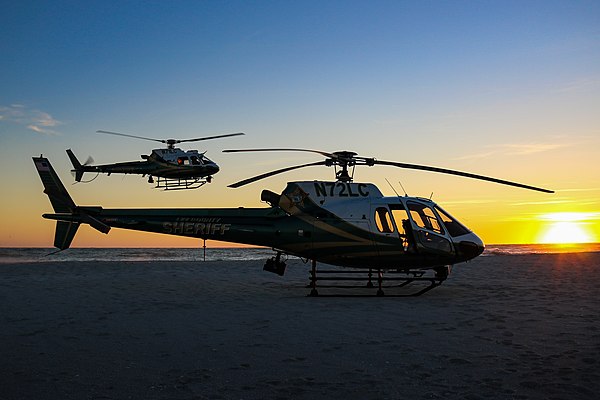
{"x":179,"y":183}
{"x":367,"y":276}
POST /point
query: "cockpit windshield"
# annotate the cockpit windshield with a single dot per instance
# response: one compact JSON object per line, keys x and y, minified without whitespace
{"x":454,"y":227}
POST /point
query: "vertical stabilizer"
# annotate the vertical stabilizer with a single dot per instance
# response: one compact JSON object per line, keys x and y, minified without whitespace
{"x":53,"y":187}
{"x":64,"y":234}
{"x":78,"y":168}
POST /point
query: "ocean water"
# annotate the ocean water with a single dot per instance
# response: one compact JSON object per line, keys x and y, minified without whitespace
{"x":507,"y":249}
{"x":29,"y":255}
{"x":35,"y":255}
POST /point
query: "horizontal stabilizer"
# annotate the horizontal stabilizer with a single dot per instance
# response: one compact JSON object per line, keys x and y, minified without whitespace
{"x":94,"y":223}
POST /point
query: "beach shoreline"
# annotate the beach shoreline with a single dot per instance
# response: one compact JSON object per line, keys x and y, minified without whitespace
{"x":509,"y":326}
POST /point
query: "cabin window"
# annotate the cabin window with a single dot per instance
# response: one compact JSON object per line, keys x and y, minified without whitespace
{"x":401,"y":218}
{"x":403,"y":225}
{"x":183,"y":161}
{"x":195,"y":160}
{"x":424,"y":217}
{"x":383,"y":220}
{"x":454,"y":227}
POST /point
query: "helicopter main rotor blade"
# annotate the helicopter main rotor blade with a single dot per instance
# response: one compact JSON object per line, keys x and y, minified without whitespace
{"x":459,"y":173}
{"x":210,"y":137}
{"x":132,"y":136}
{"x":267,"y":174}
{"x":323,"y":153}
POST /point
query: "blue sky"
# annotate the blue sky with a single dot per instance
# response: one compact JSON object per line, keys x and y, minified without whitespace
{"x":167,"y":63}
{"x":508,"y":89}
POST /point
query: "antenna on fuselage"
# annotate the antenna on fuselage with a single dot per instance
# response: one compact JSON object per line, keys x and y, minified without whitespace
{"x":404,"y":190}
{"x":386,"y":179}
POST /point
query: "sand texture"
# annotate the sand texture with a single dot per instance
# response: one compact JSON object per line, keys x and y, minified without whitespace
{"x":501,"y":327}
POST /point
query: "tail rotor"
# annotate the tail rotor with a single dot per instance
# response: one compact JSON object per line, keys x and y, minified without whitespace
{"x":78,"y":168}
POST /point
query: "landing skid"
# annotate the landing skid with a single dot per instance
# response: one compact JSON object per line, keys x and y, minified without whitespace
{"x":369,"y":277}
{"x":180,"y":184}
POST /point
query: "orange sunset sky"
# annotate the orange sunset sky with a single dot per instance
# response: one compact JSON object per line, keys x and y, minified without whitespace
{"x":504,"y":89}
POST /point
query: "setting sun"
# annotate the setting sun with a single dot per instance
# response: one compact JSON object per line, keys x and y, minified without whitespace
{"x":566,"y":228}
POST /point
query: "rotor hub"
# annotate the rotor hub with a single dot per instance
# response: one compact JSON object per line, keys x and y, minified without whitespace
{"x":343,"y":160}
{"x":346,"y":155}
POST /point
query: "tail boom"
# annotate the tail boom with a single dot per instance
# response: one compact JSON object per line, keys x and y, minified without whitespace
{"x":252,"y":226}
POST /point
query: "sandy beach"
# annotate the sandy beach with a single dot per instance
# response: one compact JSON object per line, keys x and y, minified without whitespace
{"x":501,"y":327}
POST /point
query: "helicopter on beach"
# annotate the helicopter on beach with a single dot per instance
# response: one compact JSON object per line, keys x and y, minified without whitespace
{"x":341,"y":223}
{"x":172,"y":167}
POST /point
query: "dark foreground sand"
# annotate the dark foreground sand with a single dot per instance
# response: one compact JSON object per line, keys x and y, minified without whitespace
{"x":502,"y":327}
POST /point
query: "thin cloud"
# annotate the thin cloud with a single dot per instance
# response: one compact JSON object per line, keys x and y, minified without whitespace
{"x":468,"y":202}
{"x":571,"y":216}
{"x":582,"y":85}
{"x":515,"y":149}
{"x":532,"y":148}
{"x":477,"y":156}
{"x":579,"y":190}
{"x":539,"y":203}
{"x":38,"y":121}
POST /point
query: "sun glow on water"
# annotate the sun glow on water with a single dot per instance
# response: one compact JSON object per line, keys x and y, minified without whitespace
{"x":566,"y":228}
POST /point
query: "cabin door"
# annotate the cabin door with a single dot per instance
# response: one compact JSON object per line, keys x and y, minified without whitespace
{"x":428,"y":230}
{"x":385,"y":233}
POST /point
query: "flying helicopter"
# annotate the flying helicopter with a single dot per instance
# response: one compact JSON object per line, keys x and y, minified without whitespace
{"x":339,"y":222}
{"x":172,"y":167}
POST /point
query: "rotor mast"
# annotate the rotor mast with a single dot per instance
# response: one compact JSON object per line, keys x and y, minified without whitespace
{"x":341,"y":161}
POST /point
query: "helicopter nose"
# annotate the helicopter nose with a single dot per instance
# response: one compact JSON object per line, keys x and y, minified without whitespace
{"x":214,"y":168}
{"x":471,"y":247}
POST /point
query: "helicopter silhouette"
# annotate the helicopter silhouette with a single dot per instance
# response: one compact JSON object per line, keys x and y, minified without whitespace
{"x":341,"y":222}
{"x":172,"y":167}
